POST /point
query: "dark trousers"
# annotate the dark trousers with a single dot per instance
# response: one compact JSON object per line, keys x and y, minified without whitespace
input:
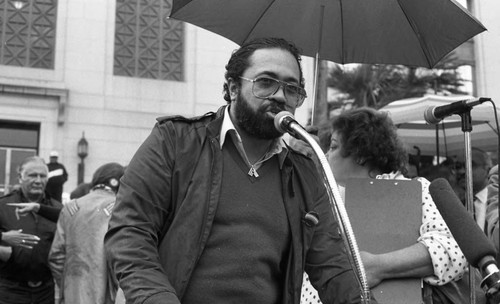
{"x":12,"y":292}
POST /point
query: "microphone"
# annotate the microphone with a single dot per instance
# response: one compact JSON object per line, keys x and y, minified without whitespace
{"x":435,"y":114}
{"x":285,"y":122}
{"x":478,"y":250}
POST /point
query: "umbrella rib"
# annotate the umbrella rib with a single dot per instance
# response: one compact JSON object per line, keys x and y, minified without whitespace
{"x":258,"y":20}
{"x":423,"y":45}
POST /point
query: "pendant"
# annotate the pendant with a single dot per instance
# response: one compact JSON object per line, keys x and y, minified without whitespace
{"x":253,"y":172}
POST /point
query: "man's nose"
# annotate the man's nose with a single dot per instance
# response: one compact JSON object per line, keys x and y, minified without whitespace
{"x":280,"y":94}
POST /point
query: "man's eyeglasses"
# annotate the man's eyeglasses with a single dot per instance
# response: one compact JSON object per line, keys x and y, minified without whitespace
{"x":264,"y":86}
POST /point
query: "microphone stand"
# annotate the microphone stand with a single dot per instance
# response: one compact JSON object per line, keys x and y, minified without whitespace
{"x":491,"y":281}
{"x":469,"y":199}
{"x":339,"y":211}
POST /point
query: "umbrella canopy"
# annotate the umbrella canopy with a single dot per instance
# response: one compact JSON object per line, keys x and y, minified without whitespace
{"x":408,"y":116}
{"x":408,"y":32}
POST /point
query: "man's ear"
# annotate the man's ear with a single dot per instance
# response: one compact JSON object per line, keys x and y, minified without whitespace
{"x":234,"y":89}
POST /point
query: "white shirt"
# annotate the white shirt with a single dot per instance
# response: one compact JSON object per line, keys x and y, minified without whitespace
{"x":480,"y":207}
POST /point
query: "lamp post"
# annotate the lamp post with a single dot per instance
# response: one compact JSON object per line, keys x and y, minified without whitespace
{"x":83,"y":151}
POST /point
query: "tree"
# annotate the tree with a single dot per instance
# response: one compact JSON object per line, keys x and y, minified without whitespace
{"x":377,"y":85}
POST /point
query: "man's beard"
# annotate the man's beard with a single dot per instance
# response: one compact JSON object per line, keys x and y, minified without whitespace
{"x":256,"y":123}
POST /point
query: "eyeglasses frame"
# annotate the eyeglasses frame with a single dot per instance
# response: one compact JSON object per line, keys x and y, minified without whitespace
{"x":282,"y":85}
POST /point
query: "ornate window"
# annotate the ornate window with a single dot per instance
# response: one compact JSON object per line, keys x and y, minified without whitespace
{"x":147,"y":44}
{"x":28,"y":33}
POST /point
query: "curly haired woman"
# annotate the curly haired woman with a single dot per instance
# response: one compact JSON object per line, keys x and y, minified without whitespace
{"x":364,"y":144}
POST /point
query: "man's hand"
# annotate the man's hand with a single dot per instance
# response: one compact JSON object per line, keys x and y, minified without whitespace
{"x":17,"y":238}
{"x":72,"y":207}
{"x":25,"y":208}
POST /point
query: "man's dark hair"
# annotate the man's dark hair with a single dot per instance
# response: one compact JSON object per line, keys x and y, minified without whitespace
{"x":238,"y":62}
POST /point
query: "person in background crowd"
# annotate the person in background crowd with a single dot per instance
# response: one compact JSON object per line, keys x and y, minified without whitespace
{"x":413,"y":166}
{"x":492,"y":208}
{"x":213,"y":209}
{"x":80,"y":190}
{"x":57,"y":177}
{"x":364,"y":144}
{"x":25,"y":276}
{"x":77,"y":256}
{"x":481,"y":165}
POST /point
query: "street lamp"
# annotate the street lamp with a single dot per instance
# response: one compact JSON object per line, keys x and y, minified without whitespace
{"x":83,"y":151}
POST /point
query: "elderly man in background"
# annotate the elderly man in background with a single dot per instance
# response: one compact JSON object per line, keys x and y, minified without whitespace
{"x":481,"y":165}
{"x":25,"y":276}
{"x":77,"y":256}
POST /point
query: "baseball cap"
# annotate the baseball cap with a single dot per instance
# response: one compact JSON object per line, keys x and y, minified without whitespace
{"x":108,"y":174}
{"x":54,"y":154}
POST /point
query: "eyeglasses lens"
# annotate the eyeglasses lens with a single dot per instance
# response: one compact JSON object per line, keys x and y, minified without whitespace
{"x":265,"y":87}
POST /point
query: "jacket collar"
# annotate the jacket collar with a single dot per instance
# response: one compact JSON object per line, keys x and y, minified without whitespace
{"x":213,"y":127}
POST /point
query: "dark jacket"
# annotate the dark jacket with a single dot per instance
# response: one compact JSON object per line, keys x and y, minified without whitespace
{"x":57,"y":177}
{"x":29,"y":264}
{"x":167,"y":202}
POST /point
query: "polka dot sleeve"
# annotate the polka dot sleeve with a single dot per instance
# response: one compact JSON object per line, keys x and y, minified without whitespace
{"x":448,"y":261}
{"x":309,"y":295}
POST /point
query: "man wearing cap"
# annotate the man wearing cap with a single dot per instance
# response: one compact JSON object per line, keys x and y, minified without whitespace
{"x":25,"y":276}
{"x":77,"y":256}
{"x":57,"y":177}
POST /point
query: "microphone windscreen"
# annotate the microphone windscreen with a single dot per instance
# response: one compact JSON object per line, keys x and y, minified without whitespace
{"x":278,"y":120}
{"x":470,"y":238}
{"x":429,"y":116}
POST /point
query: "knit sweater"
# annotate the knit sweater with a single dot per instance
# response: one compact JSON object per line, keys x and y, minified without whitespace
{"x":245,"y":256}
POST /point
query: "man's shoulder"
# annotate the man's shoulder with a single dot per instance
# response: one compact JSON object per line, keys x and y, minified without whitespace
{"x":180,"y":118}
{"x":304,"y":163}
{"x":9,"y":198}
{"x":299,"y":156}
{"x":201,"y":119}
{"x":9,"y":195}
{"x":88,"y":204}
{"x":52,"y":202}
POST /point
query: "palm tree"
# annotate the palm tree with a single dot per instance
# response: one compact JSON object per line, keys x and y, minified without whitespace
{"x":376,"y":85}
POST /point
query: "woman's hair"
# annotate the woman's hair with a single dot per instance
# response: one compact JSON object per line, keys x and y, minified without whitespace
{"x":370,"y":137}
{"x":239,"y":61}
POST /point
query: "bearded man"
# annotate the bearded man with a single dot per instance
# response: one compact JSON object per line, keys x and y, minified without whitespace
{"x":212,"y":209}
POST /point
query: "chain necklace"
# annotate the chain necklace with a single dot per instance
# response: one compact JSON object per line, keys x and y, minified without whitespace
{"x":253,"y":167}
